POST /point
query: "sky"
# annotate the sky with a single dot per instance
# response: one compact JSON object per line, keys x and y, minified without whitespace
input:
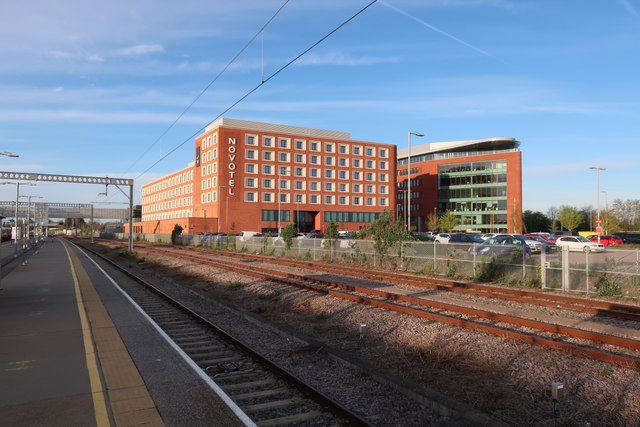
{"x":122,"y":88}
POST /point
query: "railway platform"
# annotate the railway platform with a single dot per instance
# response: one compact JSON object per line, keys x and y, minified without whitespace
{"x":75,"y":351}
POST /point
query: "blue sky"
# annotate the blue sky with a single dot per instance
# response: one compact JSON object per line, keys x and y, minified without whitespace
{"x":93,"y":88}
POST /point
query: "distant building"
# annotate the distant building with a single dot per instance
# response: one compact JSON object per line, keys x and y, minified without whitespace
{"x":258,"y":176}
{"x":480,"y":181}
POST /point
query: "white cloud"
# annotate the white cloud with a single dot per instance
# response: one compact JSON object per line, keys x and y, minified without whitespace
{"x":141,"y":49}
{"x":343,"y":59}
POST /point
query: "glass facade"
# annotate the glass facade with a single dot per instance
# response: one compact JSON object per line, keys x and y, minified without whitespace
{"x":476,"y":192}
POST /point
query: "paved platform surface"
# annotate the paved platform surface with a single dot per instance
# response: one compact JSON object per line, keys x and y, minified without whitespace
{"x":74,"y":351}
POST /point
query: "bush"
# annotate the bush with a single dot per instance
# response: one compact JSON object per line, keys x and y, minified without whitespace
{"x":607,"y":287}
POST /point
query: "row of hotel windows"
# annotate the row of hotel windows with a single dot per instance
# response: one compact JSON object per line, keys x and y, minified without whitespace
{"x":169,"y":194}
{"x":315,"y":173}
{"x":168,"y":183}
{"x":317,"y":186}
{"x":329,"y":147}
{"x":270,"y":156}
{"x":316,"y":199}
{"x":169,"y":204}
{"x":285,"y":216}
{"x":185,"y":213}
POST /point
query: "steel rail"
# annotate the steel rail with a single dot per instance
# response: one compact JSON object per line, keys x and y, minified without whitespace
{"x":305,"y":282}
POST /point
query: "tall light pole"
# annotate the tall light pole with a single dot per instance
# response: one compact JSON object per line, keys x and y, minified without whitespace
{"x":219,"y":196}
{"x":29,"y":215}
{"x":606,"y":211}
{"x":598,"y":227}
{"x":409,"y":133}
{"x":280,"y":168}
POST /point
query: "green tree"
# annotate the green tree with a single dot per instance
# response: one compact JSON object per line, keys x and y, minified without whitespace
{"x":448,"y":221}
{"x":331,"y":231}
{"x":535,"y":221}
{"x":570,"y":217}
{"x":288,"y":234}
{"x":385,"y":232}
{"x":177,"y":230}
{"x":433,"y":222}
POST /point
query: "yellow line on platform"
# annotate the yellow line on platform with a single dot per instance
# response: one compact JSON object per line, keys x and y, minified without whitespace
{"x":97,"y":389}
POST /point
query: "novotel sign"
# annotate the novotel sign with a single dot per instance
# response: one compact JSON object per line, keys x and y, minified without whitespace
{"x":231,"y":166}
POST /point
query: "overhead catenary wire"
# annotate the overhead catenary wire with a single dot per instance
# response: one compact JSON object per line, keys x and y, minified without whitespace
{"x":206,"y":88}
{"x":258,"y":86}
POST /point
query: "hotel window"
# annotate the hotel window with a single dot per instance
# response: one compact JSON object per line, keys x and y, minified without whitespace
{"x":284,"y":157}
{"x":314,"y":173}
{"x":383,"y":177}
{"x":383,"y":165}
{"x":342,"y":162}
{"x":299,"y":185}
{"x":251,"y":168}
{"x":356,"y":175}
{"x":299,"y":172}
{"x":328,"y":186}
{"x":313,"y":186}
{"x":284,"y":170}
{"x":342,"y":149}
{"x":382,"y":152}
{"x":251,"y":182}
{"x":342,"y":187}
{"x":298,"y":198}
{"x":313,"y":199}
{"x":369,"y":176}
{"x":284,"y":183}
{"x":314,"y":146}
{"x":328,"y":161}
{"x":329,"y":173}
{"x":342,"y":174}
{"x":369,"y":201}
{"x":266,"y":155}
{"x":266,"y":183}
{"x":250,"y":154}
{"x":266,"y":141}
{"x":249,"y":197}
{"x":356,"y":188}
{"x":356,"y":163}
{"x":328,"y":148}
{"x":284,"y":198}
{"x":328,"y":200}
{"x":266,"y":169}
{"x":266,"y":197}
{"x":314,"y":160}
{"x":383,"y":201}
{"x":356,"y":200}
{"x":370,"y":189}
{"x":369,"y":151}
{"x":356,"y":151}
{"x":299,"y":158}
{"x":342,"y":200}
{"x":251,"y":140}
{"x":370,"y":164}
{"x":383,"y":189}
{"x":299,"y":145}
{"x":284,"y":143}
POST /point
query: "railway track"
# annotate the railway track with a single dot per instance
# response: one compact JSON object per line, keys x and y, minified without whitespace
{"x":518,"y":328}
{"x":269,"y":395}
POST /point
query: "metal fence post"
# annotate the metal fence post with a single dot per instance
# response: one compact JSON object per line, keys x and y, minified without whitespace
{"x":401,"y":255}
{"x":565,"y":268}
{"x":586,"y":257}
{"x":543,"y":267}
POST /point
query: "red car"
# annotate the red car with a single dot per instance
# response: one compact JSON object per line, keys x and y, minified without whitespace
{"x":607,"y":240}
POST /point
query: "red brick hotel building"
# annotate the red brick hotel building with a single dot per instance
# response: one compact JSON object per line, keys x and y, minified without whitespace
{"x":251,"y":176}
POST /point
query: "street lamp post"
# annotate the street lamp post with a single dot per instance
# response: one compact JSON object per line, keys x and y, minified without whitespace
{"x":409,"y":133}
{"x":598,"y":226}
{"x":606,"y":211}
{"x":279,"y":199}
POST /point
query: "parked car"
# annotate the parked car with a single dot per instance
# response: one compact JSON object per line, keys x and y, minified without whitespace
{"x":607,"y":240}
{"x":465,"y":238}
{"x":501,"y":244}
{"x":549,"y":246}
{"x":629,"y":236}
{"x":579,"y":243}
{"x":442,"y":237}
{"x":546,"y":236}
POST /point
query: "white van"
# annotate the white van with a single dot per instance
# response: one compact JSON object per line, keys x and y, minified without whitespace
{"x":245,"y":235}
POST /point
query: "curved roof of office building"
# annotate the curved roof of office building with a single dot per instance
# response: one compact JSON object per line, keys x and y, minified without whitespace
{"x":474,"y":145}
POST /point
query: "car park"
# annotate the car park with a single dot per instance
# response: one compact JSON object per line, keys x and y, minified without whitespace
{"x":501,"y":244}
{"x":607,"y":240}
{"x":579,"y":243}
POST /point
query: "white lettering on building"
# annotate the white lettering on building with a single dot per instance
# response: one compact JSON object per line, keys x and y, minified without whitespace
{"x":232,"y":166}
